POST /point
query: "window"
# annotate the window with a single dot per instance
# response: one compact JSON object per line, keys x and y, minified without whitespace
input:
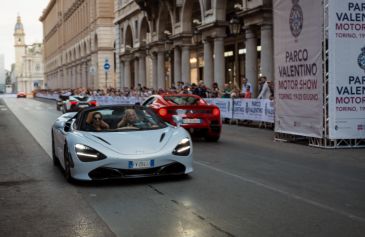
{"x":208,"y":4}
{"x":136,"y":28}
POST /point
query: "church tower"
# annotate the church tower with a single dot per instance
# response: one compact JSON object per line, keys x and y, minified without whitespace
{"x":19,"y":44}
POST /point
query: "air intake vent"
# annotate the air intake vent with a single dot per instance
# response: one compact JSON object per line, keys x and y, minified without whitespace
{"x":162,"y":137}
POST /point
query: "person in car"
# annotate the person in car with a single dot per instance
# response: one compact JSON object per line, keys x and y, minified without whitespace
{"x":129,"y":119}
{"x":95,"y":122}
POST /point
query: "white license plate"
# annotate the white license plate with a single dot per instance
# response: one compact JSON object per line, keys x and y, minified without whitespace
{"x":83,"y":106}
{"x":141,"y":164}
{"x":191,"y":121}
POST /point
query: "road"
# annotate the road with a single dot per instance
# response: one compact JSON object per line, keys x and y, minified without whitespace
{"x":244,"y":185}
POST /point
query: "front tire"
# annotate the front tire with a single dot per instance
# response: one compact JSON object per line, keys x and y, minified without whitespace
{"x":67,"y":163}
{"x":56,"y":162}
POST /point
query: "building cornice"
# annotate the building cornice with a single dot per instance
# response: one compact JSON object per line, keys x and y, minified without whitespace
{"x":47,"y":10}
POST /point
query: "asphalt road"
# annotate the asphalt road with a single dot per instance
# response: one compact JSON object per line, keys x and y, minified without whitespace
{"x":244,"y":185}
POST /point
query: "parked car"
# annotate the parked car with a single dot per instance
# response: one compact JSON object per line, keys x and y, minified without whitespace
{"x":198,"y":117}
{"x":115,"y":142}
{"x":21,"y":94}
{"x":75,"y":103}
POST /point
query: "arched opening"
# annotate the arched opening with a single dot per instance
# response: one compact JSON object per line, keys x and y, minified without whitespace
{"x":85,"y":48}
{"x":192,"y":15}
{"x":145,"y":32}
{"x":164,"y":24}
{"x":96,"y":42}
{"x":128,"y":38}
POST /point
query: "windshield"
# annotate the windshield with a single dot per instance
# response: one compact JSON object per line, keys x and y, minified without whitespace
{"x":182,"y":100}
{"x":79,"y":98}
{"x":121,"y":119}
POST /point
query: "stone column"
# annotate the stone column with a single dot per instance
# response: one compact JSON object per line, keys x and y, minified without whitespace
{"x":267,"y":52}
{"x":219,"y":62}
{"x":118,"y":63}
{"x":154,"y":70}
{"x":121,"y":76}
{"x":136,"y":73}
{"x":161,"y":70}
{"x":142,"y":70}
{"x":87,"y":74}
{"x":185,"y":64}
{"x":177,"y":64}
{"x":127,"y":73}
{"x":208,"y":64}
{"x":251,"y":60}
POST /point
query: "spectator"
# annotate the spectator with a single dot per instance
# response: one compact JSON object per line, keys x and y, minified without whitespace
{"x":265,"y":91}
{"x":248,"y":94}
{"x":227,"y":91}
{"x":200,"y":90}
{"x":245,"y":84}
{"x":214,"y":92}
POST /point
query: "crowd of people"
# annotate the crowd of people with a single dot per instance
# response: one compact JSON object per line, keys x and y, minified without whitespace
{"x":265,"y":90}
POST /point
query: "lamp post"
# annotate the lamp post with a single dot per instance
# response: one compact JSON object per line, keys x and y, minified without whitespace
{"x":235,"y":30}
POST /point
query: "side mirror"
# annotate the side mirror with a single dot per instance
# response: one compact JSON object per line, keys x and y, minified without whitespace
{"x":178,"y":120}
{"x":69,"y":125}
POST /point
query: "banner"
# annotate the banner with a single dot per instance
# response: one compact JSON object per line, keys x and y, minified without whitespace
{"x":346,"y":69}
{"x":224,"y":105}
{"x":298,"y":36}
{"x":254,"y":110}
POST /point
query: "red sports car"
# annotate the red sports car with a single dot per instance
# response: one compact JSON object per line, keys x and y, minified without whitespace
{"x":198,"y":117}
{"x":21,"y":94}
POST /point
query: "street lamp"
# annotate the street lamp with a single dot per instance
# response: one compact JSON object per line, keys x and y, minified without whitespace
{"x":235,"y":30}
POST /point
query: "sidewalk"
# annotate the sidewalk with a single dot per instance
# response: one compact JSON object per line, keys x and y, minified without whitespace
{"x":35,"y":200}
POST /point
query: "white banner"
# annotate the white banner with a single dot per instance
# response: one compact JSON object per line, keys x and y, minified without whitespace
{"x":254,"y":109}
{"x":298,"y":37}
{"x":346,"y":69}
{"x":224,"y":105}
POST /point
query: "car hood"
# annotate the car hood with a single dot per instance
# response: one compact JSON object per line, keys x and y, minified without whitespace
{"x":132,"y":142}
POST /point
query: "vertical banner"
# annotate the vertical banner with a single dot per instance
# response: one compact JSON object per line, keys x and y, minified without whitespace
{"x":346,"y":35}
{"x":298,"y":36}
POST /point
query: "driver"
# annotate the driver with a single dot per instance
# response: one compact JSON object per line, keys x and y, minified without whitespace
{"x":95,"y":122}
{"x":129,"y":119}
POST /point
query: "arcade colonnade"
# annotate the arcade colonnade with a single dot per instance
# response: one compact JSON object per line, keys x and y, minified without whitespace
{"x":159,"y":43}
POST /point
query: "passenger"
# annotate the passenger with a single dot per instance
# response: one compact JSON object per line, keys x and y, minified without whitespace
{"x":129,"y":119}
{"x":95,"y":122}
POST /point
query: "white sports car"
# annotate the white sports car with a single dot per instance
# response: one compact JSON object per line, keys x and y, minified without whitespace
{"x":113,"y":142}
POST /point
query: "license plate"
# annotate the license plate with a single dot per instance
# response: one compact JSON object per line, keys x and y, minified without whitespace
{"x":141,"y":164}
{"x":83,"y":106}
{"x":191,"y":121}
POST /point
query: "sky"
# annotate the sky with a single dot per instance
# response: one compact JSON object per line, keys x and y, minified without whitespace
{"x":29,"y":11}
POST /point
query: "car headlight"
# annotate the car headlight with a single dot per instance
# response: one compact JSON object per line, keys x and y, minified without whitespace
{"x":183,"y":148}
{"x":88,"y":154}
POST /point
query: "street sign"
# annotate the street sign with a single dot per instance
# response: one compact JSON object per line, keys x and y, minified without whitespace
{"x":106,"y":66}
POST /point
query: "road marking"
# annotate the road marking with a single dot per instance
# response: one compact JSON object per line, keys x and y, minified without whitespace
{"x":4,"y":109}
{"x":291,"y":195}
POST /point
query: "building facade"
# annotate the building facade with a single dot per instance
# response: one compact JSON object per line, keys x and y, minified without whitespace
{"x":78,"y":42}
{"x":159,"y":43}
{"x":28,"y":68}
{"x":2,"y":74}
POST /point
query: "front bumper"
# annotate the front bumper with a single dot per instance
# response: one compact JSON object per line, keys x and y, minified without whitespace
{"x":103,"y":173}
{"x":118,"y":167}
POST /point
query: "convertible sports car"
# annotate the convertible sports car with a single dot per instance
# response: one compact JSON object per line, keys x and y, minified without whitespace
{"x":198,"y":117}
{"x":113,"y":142}
{"x":75,"y":103}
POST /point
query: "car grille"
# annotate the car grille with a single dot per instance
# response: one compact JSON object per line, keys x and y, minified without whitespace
{"x":103,"y":173}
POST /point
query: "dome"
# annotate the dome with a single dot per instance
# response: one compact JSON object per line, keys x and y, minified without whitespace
{"x":19,"y":24}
